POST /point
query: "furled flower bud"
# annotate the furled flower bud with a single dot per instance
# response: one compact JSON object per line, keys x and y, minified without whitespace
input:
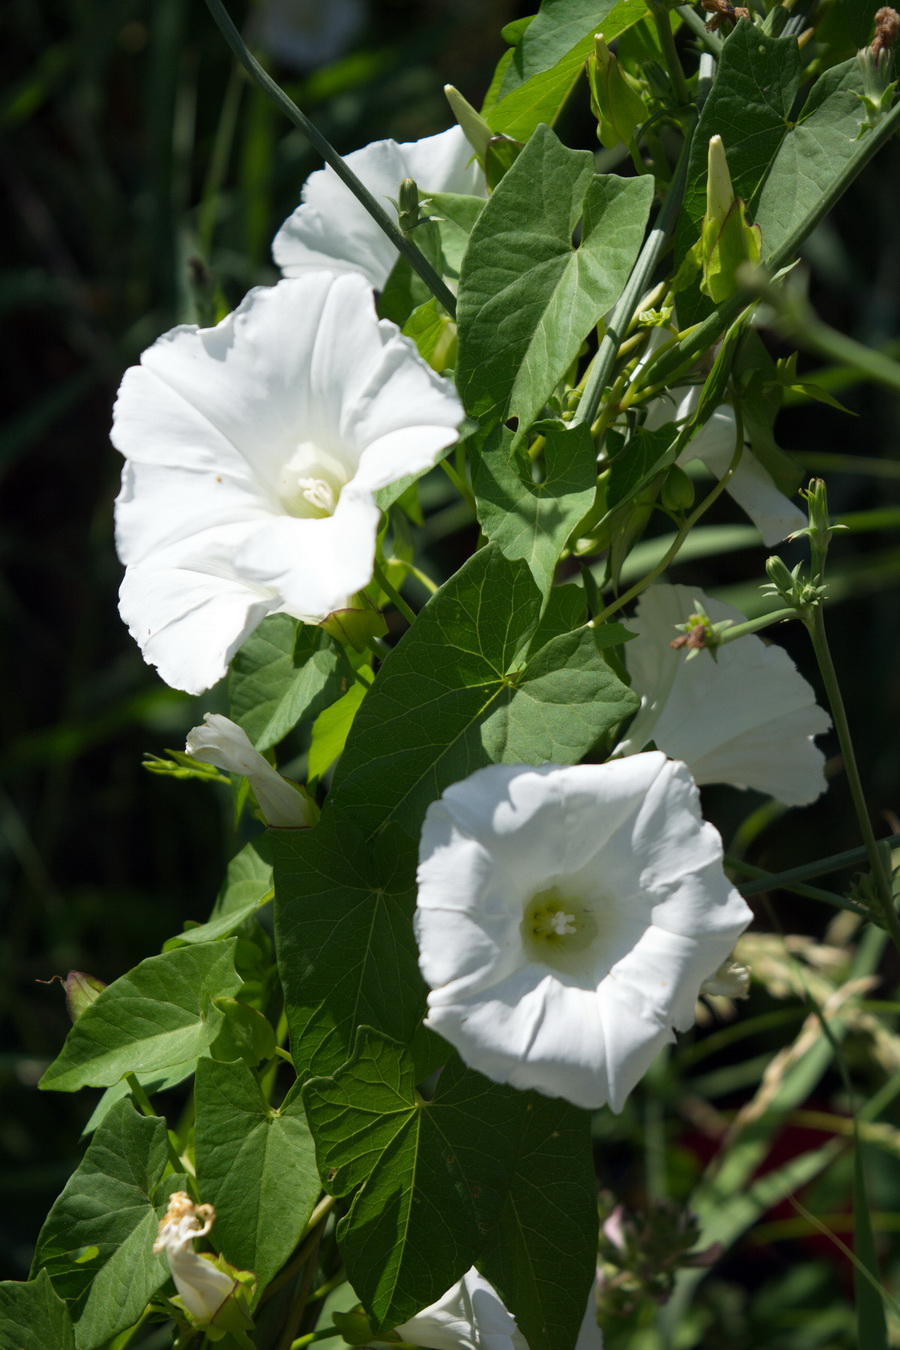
{"x":726,"y":239}
{"x":475,"y":129}
{"x":408,"y":205}
{"x":617,"y":100}
{"x":222,"y":742}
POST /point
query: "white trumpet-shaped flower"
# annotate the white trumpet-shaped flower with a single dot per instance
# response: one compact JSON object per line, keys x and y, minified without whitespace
{"x":253,"y":451}
{"x":472,"y":1316}
{"x":751,"y":486}
{"x":332,"y":229}
{"x":221,"y":742}
{"x":747,"y":718}
{"x":202,"y":1287}
{"x":567,"y":918}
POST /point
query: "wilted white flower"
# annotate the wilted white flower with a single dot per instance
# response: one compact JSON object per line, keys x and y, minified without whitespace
{"x":747,"y":718}
{"x":471,"y":1316}
{"x":332,"y":229}
{"x":202,"y":1287}
{"x":253,"y":450}
{"x":221,"y":742}
{"x":751,"y":486}
{"x":567,"y":918}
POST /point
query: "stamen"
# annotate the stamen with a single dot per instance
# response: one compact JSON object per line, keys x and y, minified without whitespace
{"x":318,"y":493}
{"x":561,"y":923}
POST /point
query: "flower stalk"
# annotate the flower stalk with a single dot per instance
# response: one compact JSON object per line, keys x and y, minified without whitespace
{"x":405,"y":246}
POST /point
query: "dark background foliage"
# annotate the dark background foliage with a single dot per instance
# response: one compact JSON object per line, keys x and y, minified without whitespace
{"x":143,"y":179}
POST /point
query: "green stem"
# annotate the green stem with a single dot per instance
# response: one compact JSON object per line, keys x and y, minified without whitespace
{"x":834,"y":863}
{"x":692,"y":20}
{"x":414,"y":257}
{"x":218,"y":164}
{"x":765,"y":881}
{"x":740,"y":630}
{"x":459,"y":483}
{"x":146,"y":1108}
{"x":431,"y":586}
{"x":685,"y":352}
{"x":816,"y":626}
{"x":393,"y":595}
{"x":635,"y":287}
{"x":328,"y":1334}
{"x":663,"y":23}
{"x":801,"y":322}
{"x":682,"y":534}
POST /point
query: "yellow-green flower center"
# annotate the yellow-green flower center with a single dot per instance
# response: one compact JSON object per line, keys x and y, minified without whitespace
{"x":557,"y":930}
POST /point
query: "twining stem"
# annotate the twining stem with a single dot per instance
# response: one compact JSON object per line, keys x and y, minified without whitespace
{"x":711,"y":41}
{"x":459,"y":483}
{"x":683,"y":353}
{"x":765,"y":881}
{"x":393,"y":595}
{"x":689,"y":523}
{"x":660,"y":12}
{"x":821,"y":867}
{"x":797,"y":318}
{"x":146,"y":1108}
{"x":431,"y":586}
{"x":815,"y":623}
{"x":635,"y":287}
{"x":413,"y":255}
{"x":739,"y":630}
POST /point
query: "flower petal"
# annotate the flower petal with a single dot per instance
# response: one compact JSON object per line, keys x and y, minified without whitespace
{"x":190,"y":617}
{"x":751,"y":486}
{"x":332,"y":229}
{"x":253,"y":450}
{"x":747,"y":718}
{"x":623,"y":847}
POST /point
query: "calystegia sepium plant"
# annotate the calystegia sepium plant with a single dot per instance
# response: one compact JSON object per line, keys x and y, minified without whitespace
{"x":482,"y":923}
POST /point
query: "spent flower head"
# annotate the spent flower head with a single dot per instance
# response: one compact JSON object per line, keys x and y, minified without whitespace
{"x":209,"y":1288}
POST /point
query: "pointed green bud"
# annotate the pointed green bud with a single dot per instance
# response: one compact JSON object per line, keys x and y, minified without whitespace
{"x":780,"y":576}
{"x":617,"y":100}
{"x":474,"y":127}
{"x":719,"y":192}
{"x":408,"y":205}
{"x":726,"y":239}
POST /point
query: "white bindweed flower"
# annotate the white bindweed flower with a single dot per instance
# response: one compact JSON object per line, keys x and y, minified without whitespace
{"x":751,"y":486}
{"x":747,"y":718}
{"x":253,"y":450}
{"x":202,"y":1287}
{"x":472,"y":1316}
{"x":221,"y":742}
{"x":332,"y":229}
{"x":567,"y":918}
